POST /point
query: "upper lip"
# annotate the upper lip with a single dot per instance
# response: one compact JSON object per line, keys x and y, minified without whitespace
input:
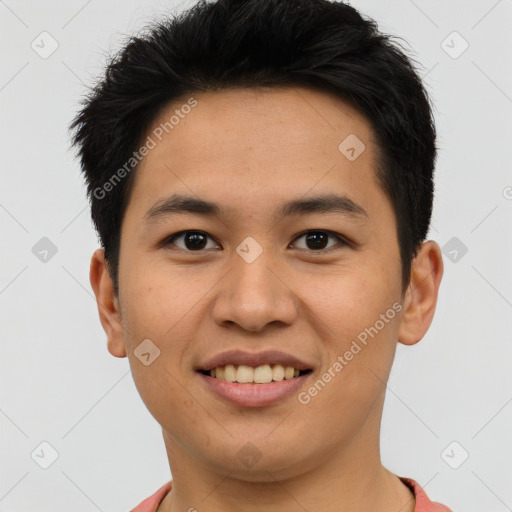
{"x":237,"y":357}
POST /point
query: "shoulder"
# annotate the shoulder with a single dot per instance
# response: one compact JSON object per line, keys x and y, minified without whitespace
{"x":151,"y":504}
{"x":423,"y":503}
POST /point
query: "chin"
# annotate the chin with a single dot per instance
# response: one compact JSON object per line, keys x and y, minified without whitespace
{"x":258,"y":462}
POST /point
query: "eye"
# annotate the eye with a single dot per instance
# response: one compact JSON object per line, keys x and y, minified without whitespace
{"x":316,"y":240}
{"x":193,"y":240}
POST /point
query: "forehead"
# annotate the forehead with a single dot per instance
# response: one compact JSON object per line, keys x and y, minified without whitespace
{"x":258,"y":145}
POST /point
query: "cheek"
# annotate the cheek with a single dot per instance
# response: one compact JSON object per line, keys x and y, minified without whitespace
{"x":360,"y":347}
{"x":162,"y":391}
{"x":156,"y":298}
{"x":353,"y":299}
{"x":154,"y":335}
{"x":362,"y":313}
{"x":160,"y":310}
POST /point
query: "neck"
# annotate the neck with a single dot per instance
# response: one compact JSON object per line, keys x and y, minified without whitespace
{"x":345,"y":479}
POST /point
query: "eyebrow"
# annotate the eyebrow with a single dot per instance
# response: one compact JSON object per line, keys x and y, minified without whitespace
{"x":325,"y":203}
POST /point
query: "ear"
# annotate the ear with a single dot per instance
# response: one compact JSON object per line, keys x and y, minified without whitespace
{"x":108,"y":304}
{"x":421,"y":295}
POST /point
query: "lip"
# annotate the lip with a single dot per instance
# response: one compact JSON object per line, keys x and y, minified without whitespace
{"x":253,"y":395}
{"x":254,"y":359}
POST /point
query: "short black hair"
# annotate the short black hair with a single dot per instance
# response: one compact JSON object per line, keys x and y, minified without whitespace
{"x":225,"y":44}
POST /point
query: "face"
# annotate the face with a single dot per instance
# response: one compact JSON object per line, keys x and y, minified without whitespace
{"x":318,"y":281}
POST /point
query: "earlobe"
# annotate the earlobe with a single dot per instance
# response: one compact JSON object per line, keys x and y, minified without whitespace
{"x":108,"y":304}
{"x":421,"y":295}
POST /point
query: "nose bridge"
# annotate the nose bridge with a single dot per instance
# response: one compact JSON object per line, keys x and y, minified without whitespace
{"x":252,"y":275}
{"x":253,"y":295}
{"x":252,"y":271}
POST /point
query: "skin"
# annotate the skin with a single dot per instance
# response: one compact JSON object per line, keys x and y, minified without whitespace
{"x":249,"y":150}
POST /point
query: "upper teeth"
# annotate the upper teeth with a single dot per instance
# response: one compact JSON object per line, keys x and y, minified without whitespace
{"x":260,"y":375}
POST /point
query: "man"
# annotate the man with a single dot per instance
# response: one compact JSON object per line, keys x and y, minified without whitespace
{"x":261,"y":176}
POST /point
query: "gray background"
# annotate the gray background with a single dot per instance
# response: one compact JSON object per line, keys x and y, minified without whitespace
{"x":61,"y":386}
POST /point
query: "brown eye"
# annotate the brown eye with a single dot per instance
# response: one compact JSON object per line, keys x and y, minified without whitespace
{"x":317,"y":240}
{"x":192,"y":240}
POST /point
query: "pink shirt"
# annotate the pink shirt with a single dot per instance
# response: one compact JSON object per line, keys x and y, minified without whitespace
{"x":423,"y":504}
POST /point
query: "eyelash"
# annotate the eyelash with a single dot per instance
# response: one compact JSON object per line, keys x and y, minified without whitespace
{"x":341,"y":239}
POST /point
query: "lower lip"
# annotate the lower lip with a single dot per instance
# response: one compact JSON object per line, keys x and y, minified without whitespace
{"x":254,"y":395}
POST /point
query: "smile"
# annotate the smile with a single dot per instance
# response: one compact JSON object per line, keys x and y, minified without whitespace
{"x":263,"y":374}
{"x":248,"y":392}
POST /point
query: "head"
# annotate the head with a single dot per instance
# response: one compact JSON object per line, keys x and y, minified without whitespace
{"x":276,"y":119}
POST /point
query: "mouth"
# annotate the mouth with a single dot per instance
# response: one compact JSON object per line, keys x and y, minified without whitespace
{"x":263,"y":374}
{"x":254,"y":379}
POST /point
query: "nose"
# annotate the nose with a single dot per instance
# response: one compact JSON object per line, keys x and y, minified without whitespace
{"x":254,"y":295}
